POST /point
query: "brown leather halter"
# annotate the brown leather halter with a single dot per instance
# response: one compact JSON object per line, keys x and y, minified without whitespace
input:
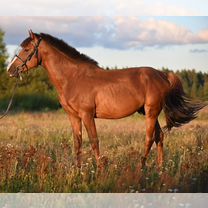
{"x":19,"y":68}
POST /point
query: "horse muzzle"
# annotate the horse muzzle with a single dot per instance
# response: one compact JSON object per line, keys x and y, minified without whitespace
{"x":14,"y":71}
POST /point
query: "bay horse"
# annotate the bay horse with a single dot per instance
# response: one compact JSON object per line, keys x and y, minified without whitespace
{"x":86,"y":91}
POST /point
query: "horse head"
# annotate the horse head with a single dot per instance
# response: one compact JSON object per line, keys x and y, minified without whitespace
{"x":27,"y":57}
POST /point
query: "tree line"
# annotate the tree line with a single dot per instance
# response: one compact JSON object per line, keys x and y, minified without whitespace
{"x":35,"y":92}
{"x":195,"y":83}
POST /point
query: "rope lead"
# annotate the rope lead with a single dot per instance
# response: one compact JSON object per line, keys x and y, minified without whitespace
{"x":10,"y":101}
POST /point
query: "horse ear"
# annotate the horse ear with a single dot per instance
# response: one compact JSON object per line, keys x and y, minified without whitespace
{"x":32,"y":36}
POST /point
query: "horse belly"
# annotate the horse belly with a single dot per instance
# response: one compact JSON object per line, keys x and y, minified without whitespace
{"x":117,"y":105}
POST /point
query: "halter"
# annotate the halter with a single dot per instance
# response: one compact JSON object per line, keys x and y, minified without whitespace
{"x":19,"y":68}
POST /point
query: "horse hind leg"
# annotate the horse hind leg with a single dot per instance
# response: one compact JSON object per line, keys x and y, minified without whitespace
{"x":151,"y":118}
{"x":158,"y":137}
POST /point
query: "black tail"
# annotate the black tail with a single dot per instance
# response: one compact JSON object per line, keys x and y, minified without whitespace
{"x":179,"y":108}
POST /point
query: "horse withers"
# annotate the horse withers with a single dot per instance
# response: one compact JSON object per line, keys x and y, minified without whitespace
{"x":86,"y":91}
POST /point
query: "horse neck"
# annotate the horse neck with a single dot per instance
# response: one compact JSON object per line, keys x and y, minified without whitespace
{"x":59,"y":67}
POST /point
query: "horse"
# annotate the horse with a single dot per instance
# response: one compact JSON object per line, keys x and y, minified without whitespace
{"x":86,"y":92}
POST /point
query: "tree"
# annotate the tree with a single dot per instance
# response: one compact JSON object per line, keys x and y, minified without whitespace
{"x":194,"y":86}
{"x":3,"y":52}
{"x":3,"y":58}
{"x":205,"y":90}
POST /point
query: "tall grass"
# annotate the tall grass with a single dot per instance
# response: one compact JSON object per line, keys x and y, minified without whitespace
{"x":36,"y":155}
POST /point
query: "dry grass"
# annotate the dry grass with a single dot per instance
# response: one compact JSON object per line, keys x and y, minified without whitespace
{"x":36,"y":155}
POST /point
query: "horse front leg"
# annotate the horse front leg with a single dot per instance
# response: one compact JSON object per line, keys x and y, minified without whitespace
{"x":77,"y":136}
{"x":89,"y":123}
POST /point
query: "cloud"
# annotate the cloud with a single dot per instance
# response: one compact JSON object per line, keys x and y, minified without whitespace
{"x":199,"y":50}
{"x":77,"y":30}
{"x":108,"y":32}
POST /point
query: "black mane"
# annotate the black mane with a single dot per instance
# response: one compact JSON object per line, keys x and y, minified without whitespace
{"x":63,"y":47}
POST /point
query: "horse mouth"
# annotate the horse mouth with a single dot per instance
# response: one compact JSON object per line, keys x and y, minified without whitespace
{"x":15,"y":74}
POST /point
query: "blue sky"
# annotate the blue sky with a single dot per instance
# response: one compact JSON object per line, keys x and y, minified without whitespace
{"x":195,"y":23}
{"x":121,"y":33}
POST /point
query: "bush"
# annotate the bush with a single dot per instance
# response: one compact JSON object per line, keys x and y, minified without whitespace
{"x":31,"y":102}
{"x":34,"y":93}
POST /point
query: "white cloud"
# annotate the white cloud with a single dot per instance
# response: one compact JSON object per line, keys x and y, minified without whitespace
{"x":196,"y":50}
{"x":203,"y":35}
{"x":115,"y":32}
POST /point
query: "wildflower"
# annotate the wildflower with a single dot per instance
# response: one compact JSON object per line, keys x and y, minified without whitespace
{"x":9,"y":145}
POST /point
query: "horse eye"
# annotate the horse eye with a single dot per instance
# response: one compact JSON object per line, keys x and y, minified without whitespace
{"x":26,"y":49}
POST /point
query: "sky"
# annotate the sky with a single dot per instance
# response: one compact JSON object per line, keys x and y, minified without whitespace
{"x":103,"y":8}
{"x":117,"y":33}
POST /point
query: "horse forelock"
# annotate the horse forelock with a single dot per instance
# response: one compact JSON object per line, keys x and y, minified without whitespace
{"x":25,"y":42}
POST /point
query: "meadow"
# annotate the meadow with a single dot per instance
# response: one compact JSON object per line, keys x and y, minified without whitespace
{"x":36,"y":155}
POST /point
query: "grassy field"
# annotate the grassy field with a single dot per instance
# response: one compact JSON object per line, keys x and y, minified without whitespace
{"x":36,"y":155}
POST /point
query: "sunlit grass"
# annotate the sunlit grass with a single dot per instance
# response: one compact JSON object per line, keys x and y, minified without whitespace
{"x":36,"y":155}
